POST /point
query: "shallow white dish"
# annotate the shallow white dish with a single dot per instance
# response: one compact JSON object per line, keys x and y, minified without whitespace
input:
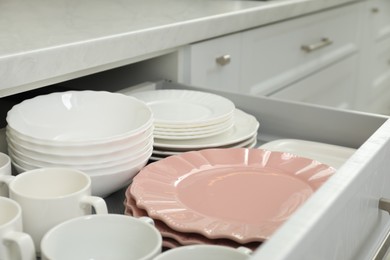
{"x":186,"y":108}
{"x":82,"y":117}
{"x":72,"y":149}
{"x":330,"y":154}
{"x":245,"y":126}
{"x":85,"y":159}
{"x":93,"y":169}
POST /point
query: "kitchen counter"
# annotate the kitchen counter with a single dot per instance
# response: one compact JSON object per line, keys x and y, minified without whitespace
{"x":45,"y":42}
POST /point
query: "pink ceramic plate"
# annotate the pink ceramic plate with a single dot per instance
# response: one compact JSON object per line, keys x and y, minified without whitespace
{"x":181,"y":238}
{"x":238,"y":193}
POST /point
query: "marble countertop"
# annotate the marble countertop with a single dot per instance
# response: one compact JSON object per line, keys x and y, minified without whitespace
{"x":45,"y":42}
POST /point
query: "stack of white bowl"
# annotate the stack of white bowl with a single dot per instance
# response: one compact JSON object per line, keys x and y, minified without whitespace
{"x":107,"y":135}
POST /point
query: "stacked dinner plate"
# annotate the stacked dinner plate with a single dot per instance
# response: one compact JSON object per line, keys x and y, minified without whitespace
{"x":187,"y":120}
{"x":107,"y":135}
{"x":229,"y":196}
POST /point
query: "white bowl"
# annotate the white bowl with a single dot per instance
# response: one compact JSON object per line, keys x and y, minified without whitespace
{"x":104,"y":184}
{"x":79,"y":149}
{"x":81,"y":159}
{"x":79,"y":117}
{"x":92,"y":169}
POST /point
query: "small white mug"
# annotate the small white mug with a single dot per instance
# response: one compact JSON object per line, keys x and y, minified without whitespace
{"x":196,"y":252}
{"x":49,"y":196}
{"x":5,"y":169}
{"x":110,"y":236}
{"x":14,"y":243}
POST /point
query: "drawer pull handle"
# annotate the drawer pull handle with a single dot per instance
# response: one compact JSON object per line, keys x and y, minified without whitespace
{"x":315,"y":46}
{"x":384,"y":204}
{"x":223,"y":60}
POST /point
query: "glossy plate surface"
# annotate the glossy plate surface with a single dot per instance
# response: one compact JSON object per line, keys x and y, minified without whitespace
{"x":236,"y":193}
{"x":181,"y":238}
{"x":183,"y":108}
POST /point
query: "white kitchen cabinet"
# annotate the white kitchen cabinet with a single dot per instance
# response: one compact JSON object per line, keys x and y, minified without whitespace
{"x":333,"y":86}
{"x":374,"y":73}
{"x":274,"y":56}
{"x":267,"y":59}
{"x":214,"y":63}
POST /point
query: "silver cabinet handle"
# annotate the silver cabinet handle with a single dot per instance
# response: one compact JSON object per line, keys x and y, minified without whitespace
{"x":384,"y":204}
{"x":318,"y":45}
{"x":223,"y":60}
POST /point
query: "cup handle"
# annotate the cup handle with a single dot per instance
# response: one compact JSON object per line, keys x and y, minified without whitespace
{"x":98,"y":203}
{"x":24,"y":244}
{"x":6,"y":180}
{"x":244,"y":250}
{"x":147,"y":220}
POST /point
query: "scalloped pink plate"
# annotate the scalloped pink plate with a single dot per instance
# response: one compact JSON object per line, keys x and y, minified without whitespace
{"x":237,"y":193}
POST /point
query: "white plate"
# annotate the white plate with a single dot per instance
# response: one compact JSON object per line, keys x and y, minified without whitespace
{"x":249,"y":143}
{"x":184,"y":108}
{"x":245,"y":127}
{"x":330,"y":154}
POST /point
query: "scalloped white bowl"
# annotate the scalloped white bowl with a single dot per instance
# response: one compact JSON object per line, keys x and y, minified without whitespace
{"x":79,"y":118}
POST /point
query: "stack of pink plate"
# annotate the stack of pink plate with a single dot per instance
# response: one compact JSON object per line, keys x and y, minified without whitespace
{"x":232,"y":196}
{"x":187,"y":120}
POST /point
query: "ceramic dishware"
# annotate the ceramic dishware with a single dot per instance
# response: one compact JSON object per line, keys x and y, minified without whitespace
{"x":5,"y":169}
{"x":75,"y":117}
{"x":110,"y":236}
{"x":49,"y":196}
{"x":14,"y":243}
{"x":196,"y":252}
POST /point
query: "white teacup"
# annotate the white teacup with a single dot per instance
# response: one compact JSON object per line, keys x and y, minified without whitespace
{"x":5,"y":169}
{"x":196,"y":252}
{"x":102,"y":237}
{"x":49,"y":196}
{"x":14,"y":244}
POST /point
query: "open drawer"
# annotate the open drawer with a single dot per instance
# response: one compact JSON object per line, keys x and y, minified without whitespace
{"x":342,"y":220}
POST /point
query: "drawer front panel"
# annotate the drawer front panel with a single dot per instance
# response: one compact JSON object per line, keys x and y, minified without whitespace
{"x":380,"y":13}
{"x":277,"y":55}
{"x":378,"y":91}
{"x":333,"y":86}
{"x":213,"y":63}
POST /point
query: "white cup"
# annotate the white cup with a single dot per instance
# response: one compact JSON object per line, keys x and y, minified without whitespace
{"x":102,"y":237}
{"x":196,"y":252}
{"x":14,"y":244}
{"x":49,"y":196}
{"x":5,"y":169}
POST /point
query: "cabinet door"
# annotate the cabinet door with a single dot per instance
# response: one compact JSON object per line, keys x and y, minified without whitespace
{"x":213,"y":63}
{"x":274,"y":56}
{"x":379,"y":92}
{"x":333,"y":86}
{"x":380,"y":14}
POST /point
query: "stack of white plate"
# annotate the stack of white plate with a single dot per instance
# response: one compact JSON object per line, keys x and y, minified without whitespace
{"x":187,"y":120}
{"x":107,"y":135}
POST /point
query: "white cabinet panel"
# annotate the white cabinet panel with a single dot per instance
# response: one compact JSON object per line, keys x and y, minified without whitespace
{"x":334,"y":86}
{"x":380,"y":14}
{"x":277,"y":55}
{"x":214,"y":63}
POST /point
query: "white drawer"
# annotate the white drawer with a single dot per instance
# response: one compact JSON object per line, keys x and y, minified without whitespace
{"x":333,"y":86}
{"x":274,"y":56}
{"x":213,"y":63}
{"x":380,"y":84}
{"x":341,"y":221}
{"x":380,"y":14}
